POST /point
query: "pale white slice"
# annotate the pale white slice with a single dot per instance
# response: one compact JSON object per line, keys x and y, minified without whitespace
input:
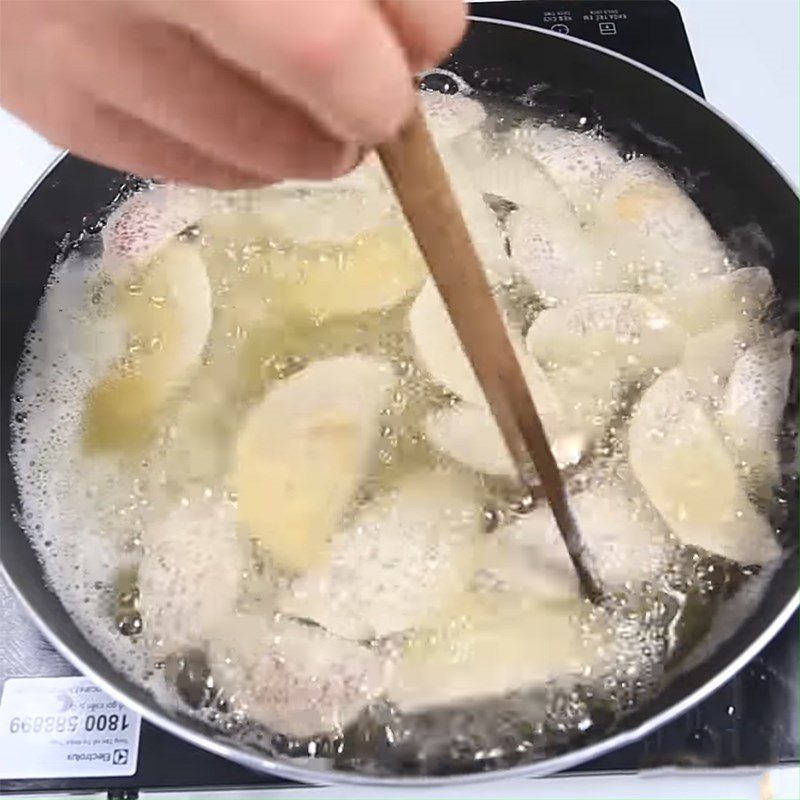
{"x":488,"y":644}
{"x":169,"y":298}
{"x":197,"y":446}
{"x":469,"y":434}
{"x":368,"y":176}
{"x":588,"y":393}
{"x":303,"y":212}
{"x":626,"y":541}
{"x":703,"y":303}
{"x":681,"y":460}
{"x":559,"y":260}
{"x":723,"y":315}
{"x":574,"y":403}
{"x":403,"y":556}
{"x":232,"y":242}
{"x":482,"y":223}
{"x":652,"y":226}
{"x":294,"y":679}
{"x":580,"y":164}
{"x":319,"y":253}
{"x":528,"y":555}
{"x":324,"y":215}
{"x":753,"y":408}
{"x":189,"y":575}
{"x":256,"y":213}
{"x":758,"y":387}
{"x":548,"y":248}
{"x":147,"y":220}
{"x":439,"y":350}
{"x":451,"y":115}
{"x":303,"y":451}
{"x":376,"y":270}
{"x":506,"y":172}
{"x":627,"y":328}
{"x":708,"y":359}
{"x":250,"y":300}
{"x":166,"y":311}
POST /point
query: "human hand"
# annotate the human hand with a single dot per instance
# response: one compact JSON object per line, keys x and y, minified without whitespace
{"x":221,"y":93}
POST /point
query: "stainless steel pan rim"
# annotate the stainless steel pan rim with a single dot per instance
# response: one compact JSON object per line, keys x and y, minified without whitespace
{"x":310,"y":776}
{"x":656,"y":74}
{"x":547,"y":766}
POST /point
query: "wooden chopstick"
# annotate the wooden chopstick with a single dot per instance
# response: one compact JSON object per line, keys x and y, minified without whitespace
{"x":420,"y":182}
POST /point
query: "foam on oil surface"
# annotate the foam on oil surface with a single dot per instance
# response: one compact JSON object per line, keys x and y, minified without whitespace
{"x":70,"y":505}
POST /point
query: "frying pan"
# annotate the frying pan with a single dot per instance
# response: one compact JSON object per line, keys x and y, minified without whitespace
{"x":745,"y":197}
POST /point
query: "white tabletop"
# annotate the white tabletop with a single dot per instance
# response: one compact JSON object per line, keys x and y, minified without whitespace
{"x":747,"y":53}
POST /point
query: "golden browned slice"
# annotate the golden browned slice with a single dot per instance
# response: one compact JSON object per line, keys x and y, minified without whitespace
{"x":654,"y":229}
{"x":166,"y":311}
{"x":302,"y":453}
{"x":374,"y":271}
{"x":681,"y":460}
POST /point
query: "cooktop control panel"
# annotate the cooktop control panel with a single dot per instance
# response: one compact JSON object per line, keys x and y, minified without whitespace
{"x":648,"y":31}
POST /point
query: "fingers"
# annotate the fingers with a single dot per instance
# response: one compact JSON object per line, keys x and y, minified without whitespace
{"x":119,"y":140}
{"x":221,"y":92}
{"x":36,"y":89}
{"x":188,"y":93}
{"x":339,"y":60}
{"x":428,"y":29}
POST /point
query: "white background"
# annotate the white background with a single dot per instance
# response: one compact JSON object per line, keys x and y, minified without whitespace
{"x":747,"y":53}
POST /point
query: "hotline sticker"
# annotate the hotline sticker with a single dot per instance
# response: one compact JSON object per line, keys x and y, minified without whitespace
{"x":65,"y":728}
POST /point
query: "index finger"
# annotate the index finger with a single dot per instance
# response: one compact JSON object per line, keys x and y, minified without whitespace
{"x":428,"y":29}
{"x":339,"y":60}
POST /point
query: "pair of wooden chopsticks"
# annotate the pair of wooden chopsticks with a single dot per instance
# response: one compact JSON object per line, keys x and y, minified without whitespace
{"x":420,"y":182}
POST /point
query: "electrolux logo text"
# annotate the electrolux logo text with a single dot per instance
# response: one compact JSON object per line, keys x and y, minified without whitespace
{"x":88,"y":756}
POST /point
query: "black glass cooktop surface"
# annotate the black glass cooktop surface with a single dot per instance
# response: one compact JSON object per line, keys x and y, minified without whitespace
{"x":648,"y":31}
